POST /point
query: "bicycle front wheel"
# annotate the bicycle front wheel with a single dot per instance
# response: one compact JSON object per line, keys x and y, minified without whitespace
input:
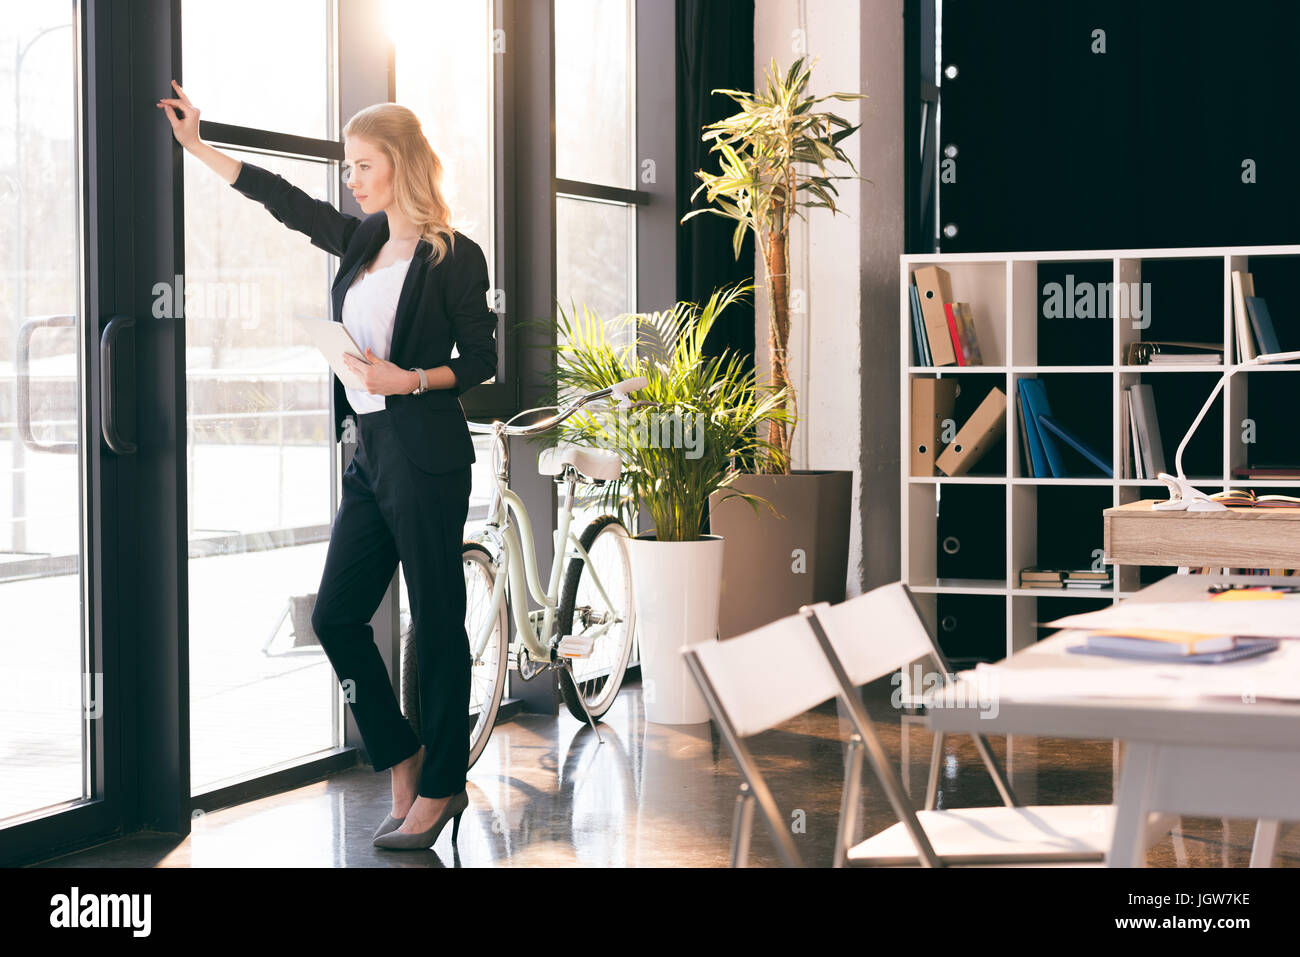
{"x":598,"y":676}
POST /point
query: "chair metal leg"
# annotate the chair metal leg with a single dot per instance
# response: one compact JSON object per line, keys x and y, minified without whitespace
{"x":742,"y":822}
{"x":932,"y":785}
{"x":1261,"y":854}
{"x":844,"y":834}
{"x":995,"y":771}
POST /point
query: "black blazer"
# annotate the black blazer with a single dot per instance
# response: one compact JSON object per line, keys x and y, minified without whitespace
{"x":438,"y":306}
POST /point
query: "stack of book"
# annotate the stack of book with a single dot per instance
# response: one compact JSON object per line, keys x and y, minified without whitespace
{"x":1084,"y":579}
{"x":1173,"y":353}
{"x":1255,"y":332}
{"x":943,"y":330}
{"x":1144,"y":451}
{"x":1170,"y":645}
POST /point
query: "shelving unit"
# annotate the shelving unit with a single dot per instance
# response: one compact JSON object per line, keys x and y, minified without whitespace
{"x":1190,"y":298}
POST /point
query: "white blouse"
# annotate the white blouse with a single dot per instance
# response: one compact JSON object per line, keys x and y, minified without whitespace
{"x":369,"y":310}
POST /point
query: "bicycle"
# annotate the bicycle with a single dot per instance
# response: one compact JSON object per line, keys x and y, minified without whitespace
{"x":595,"y":593}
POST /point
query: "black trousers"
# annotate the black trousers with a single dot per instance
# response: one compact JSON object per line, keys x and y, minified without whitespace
{"x":392,"y":510}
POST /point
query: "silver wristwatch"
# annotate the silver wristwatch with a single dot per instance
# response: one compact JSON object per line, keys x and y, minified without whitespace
{"x":424,"y":382}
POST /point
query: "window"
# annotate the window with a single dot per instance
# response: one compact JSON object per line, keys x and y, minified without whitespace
{"x":596,"y":200}
{"x":261,"y":448}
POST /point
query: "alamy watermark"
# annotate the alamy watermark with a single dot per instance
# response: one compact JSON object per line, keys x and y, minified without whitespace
{"x":974,"y":689}
{"x":623,"y":429}
{"x":207,"y":300}
{"x":1091,"y":300}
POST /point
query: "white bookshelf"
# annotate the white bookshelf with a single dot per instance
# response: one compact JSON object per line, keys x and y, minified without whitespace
{"x":1003,"y":290}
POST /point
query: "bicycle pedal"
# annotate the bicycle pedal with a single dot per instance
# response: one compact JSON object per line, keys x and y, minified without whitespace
{"x":575,"y":646}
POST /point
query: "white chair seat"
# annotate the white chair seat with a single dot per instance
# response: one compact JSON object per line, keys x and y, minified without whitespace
{"x":986,"y":835}
{"x":596,"y":464}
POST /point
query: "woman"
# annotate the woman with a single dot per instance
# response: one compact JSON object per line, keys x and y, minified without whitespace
{"x":408,"y":288}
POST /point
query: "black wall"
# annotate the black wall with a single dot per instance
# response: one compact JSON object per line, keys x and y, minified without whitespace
{"x":1141,"y":146}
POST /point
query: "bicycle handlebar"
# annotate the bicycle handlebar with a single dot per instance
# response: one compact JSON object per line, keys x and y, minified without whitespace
{"x":618,"y":389}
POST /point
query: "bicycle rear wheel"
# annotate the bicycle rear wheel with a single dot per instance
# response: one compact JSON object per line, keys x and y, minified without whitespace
{"x":599,"y":675}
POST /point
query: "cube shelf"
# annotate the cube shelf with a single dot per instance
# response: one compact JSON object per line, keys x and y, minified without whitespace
{"x":1068,"y":317}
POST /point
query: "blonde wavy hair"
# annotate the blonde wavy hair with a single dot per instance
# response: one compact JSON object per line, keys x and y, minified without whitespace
{"x":417,"y":171}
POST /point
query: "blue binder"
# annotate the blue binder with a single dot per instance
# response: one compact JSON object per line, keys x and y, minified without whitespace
{"x":1047,"y":422}
{"x":1042,"y":447}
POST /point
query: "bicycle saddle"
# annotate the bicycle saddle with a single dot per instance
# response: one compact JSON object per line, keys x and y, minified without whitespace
{"x":597,"y":464}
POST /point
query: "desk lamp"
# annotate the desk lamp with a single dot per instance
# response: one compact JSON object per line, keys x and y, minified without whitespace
{"x":1182,"y":495}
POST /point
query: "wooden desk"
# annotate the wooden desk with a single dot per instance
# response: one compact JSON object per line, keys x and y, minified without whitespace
{"x":1237,"y":538}
{"x":1205,"y":757}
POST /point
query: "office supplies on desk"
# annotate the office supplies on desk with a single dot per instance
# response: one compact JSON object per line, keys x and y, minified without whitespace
{"x":1159,"y":641}
{"x":1264,"y":619}
{"x":1242,"y":648}
{"x":1239,"y":591}
{"x":1246,"y":498}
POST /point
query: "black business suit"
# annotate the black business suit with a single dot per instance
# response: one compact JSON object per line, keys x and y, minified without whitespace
{"x":406,"y":490}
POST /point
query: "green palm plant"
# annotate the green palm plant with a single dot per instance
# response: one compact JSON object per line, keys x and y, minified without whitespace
{"x":715,"y":397}
{"x":760,"y":186}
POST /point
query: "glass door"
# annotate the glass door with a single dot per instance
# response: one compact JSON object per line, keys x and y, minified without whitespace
{"x":51,"y":688}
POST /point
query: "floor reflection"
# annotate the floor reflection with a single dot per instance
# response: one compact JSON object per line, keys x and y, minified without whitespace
{"x":547,"y":793}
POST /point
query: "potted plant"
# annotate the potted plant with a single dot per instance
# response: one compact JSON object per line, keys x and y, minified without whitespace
{"x":679,"y":443}
{"x":773,"y":156}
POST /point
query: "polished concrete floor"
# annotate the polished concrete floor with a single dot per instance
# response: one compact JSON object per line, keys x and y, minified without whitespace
{"x":547,"y":793}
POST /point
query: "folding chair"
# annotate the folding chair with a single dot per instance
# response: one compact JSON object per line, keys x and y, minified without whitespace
{"x":752,"y":683}
{"x":757,"y":680}
{"x":880,"y":632}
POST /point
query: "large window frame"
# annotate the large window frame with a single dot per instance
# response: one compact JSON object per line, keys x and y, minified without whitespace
{"x":133,"y":202}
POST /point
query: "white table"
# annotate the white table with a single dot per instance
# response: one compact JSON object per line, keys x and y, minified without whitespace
{"x":1204,"y":757}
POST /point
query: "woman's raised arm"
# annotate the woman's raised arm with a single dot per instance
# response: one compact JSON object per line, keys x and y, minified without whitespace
{"x":329,"y":228}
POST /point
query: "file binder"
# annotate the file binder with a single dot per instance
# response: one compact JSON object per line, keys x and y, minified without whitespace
{"x":932,"y":402}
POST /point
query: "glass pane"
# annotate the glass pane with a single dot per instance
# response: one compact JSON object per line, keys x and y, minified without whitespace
{"x":593,"y":257}
{"x":261,"y":451}
{"x":593,"y":92}
{"x":223,"y":42}
{"x":43,"y":652}
{"x":459,"y":126}
{"x":594,"y":266}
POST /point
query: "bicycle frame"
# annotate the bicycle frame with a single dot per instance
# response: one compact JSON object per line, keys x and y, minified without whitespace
{"x":517,"y":556}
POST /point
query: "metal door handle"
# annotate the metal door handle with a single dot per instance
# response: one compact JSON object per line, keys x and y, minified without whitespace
{"x":117,"y":386}
{"x":23,"y":369}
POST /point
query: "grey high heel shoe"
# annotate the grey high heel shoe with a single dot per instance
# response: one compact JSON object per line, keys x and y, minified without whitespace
{"x":420,"y":840}
{"x":389,"y":823}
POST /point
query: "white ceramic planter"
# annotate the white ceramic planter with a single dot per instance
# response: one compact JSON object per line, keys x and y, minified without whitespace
{"x":676,"y":588}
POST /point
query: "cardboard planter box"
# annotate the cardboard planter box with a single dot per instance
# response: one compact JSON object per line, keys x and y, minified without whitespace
{"x":773,"y":565}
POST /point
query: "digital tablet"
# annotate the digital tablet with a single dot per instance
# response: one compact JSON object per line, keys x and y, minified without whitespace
{"x":333,"y":340}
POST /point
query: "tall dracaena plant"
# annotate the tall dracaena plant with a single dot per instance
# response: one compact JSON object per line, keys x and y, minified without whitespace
{"x":759,"y":187}
{"x":696,"y":416}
